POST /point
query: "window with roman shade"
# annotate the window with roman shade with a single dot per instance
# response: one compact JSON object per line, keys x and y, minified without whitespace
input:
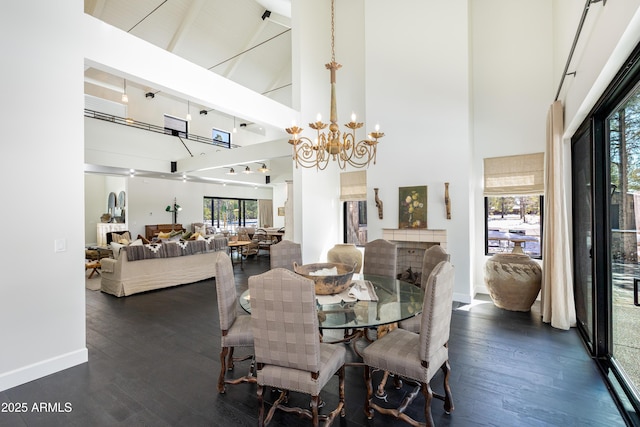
{"x":509,"y":175}
{"x":353,"y":186}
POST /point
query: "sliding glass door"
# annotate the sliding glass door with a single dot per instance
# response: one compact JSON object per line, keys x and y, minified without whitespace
{"x":605,"y":154}
{"x":581,"y":160}
{"x":623,"y":132}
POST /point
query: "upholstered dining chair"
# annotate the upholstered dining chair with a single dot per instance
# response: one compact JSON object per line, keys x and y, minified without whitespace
{"x":235,"y":328}
{"x":417,"y":357}
{"x":289,"y":354}
{"x":285,"y":253}
{"x":380,"y":258}
{"x":432,"y":257}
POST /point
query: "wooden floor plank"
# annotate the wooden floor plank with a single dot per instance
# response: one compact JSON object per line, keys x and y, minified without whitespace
{"x":154,"y":360}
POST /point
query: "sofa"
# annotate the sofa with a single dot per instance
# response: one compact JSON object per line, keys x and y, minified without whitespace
{"x":144,"y":267}
{"x":152,"y":230}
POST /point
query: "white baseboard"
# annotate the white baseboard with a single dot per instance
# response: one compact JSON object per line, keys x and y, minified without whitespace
{"x":42,"y":369}
{"x":463,"y":298}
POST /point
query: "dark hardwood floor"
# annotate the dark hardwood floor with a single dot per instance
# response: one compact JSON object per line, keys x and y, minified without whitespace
{"x":154,"y":361}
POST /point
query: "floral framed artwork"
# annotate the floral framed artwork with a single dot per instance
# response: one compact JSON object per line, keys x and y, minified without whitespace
{"x":412,"y":210}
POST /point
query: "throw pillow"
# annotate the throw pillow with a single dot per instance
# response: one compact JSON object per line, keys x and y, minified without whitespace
{"x":137,"y":242}
{"x":144,"y":239}
{"x":202,"y":230}
{"x":163,"y":235}
{"x":121,"y":237}
{"x":187,"y":235}
{"x":174,"y":233}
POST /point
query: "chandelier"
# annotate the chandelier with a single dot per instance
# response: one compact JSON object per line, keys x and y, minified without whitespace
{"x":339,"y":146}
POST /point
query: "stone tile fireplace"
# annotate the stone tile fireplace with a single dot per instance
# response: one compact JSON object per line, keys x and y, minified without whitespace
{"x":411,"y":245}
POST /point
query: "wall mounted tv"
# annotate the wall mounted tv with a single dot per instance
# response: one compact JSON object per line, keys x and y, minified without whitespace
{"x":221,"y":137}
{"x":176,"y":126}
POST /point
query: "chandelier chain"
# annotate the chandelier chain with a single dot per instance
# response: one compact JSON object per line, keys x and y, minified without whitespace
{"x":333,"y":46}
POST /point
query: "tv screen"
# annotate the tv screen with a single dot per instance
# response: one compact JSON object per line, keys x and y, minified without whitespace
{"x":221,"y":137}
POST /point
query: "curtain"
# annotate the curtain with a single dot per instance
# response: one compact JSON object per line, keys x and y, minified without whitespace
{"x":353,"y":186}
{"x":265,"y":213}
{"x":509,"y":175}
{"x":557,"y":301}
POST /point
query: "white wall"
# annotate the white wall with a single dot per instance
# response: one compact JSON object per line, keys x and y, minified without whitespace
{"x":418,"y":89}
{"x":42,"y":294}
{"x":512,"y":81}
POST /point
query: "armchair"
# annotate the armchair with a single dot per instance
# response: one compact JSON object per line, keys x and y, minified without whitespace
{"x":417,"y":357}
{"x":289,"y":354}
{"x":236,"y":329}
{"x":432,"y":257}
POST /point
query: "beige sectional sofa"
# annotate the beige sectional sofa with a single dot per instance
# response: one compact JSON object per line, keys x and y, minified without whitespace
{"x":154,"y":266}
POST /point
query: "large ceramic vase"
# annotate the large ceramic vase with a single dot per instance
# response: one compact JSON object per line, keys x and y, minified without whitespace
{"x":346,"y":253}
{"x":513,"y":281}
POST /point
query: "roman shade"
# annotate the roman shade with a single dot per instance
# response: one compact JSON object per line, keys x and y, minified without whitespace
{"x":353,"y":186}
{"x":514,"y":175}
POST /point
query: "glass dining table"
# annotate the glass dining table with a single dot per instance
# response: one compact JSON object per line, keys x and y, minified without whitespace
{"x":396,"y":300}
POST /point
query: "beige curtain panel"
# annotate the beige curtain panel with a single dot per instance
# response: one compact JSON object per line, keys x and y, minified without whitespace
{"x":557,"y":299}
{"x":353,"y":186}
{"x":265,"y":213}
{"x":514,"y":175}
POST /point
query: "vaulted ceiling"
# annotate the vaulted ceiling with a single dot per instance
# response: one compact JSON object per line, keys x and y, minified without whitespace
{"x":245,"y":41}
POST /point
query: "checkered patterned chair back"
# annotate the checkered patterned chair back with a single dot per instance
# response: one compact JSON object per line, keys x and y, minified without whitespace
{"x":380,"y":258}
{"x":285,"y":253}
{"x":285,"y":320}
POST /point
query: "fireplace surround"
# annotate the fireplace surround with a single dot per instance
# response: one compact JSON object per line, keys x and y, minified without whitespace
{"x":411,"y":245}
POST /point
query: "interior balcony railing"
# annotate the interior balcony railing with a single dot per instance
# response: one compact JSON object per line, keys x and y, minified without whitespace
{"x":153,"y":128}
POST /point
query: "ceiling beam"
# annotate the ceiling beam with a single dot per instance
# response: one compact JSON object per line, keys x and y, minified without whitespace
{"x":187,"y":20}
{"x":225,"y":158}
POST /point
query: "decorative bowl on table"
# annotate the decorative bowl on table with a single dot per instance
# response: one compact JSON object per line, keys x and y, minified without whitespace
{"x":326,"y":283}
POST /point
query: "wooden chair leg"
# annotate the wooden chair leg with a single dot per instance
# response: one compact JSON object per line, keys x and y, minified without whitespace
{"x":230,"y":364}
{"x":341,"y":390}
{"x":428,"y":396}
{"x":223,"y":369}
{"x":368,"y":411}
{"x":314,"y":410}
{"x":448,"y":397}
{"x":260,"y":406}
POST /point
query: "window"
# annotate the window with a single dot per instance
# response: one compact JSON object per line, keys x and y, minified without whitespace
{"x":513,"y":221}
{"x":353,"y":192}
{"x":513,"y":204}
{"x":355,"y":222}
{"x":229,"y":214}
